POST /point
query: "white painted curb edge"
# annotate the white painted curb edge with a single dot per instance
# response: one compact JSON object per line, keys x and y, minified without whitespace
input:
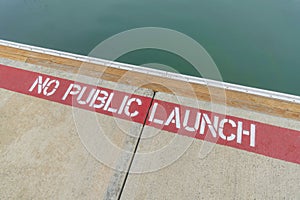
{"x":160,"y":73}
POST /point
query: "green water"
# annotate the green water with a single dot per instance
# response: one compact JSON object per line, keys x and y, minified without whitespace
{"x":253,"y":42}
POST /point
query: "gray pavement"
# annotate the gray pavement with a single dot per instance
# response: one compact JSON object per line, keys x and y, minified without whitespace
{"x":53,"y":151}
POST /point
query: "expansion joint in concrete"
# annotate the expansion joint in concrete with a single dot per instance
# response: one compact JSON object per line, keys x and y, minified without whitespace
{"x":136,"y":147}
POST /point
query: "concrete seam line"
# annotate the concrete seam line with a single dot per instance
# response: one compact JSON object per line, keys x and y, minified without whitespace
{"x":136,"y":147}
{"x":58,"y":90}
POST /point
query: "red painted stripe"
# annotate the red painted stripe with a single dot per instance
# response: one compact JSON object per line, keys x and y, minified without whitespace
{"x":272,"y":141}
{"x":21,"y":81}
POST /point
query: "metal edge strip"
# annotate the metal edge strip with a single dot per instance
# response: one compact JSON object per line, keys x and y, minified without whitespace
{"x":156,"y":72}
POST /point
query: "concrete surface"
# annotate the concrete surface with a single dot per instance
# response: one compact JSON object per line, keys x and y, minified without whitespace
{"x":224,"y":173}
{"x":42,"y":156}
{"x":52,"y":151}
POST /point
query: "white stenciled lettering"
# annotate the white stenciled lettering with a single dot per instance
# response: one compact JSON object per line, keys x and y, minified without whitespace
{"x":43,"y":86}
{"x":73,"y":89}
{"x":187,"y":118}
{"x":106,"y":107}
{"x":89,"y":97}
{"x":152,"y":115}
{"x":101,"y":99}
{"x":94,"y":98}
{"x":198,"y":122}
{"x":127,"y":107}
{"x":212,"y":127}
{"x":123,"y":105}
{"x":241,"y":132}
{"x":174,"y":117}
{"x":49,"y":93}
{"x":221,"y":128}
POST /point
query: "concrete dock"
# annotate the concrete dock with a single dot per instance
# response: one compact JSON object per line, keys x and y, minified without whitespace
{"x":72,"y":129}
